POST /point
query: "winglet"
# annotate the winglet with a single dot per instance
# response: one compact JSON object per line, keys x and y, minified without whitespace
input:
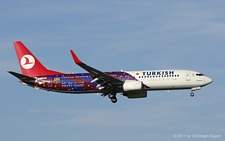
{"x":75,"y":58}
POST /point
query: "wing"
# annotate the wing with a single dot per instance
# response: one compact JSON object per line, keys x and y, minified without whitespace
{"x":104,"y":80}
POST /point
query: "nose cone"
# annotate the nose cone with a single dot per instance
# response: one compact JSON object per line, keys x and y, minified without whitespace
{"x":208,"y":80}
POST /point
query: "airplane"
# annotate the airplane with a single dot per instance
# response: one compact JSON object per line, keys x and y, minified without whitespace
{"x":132,"y":84}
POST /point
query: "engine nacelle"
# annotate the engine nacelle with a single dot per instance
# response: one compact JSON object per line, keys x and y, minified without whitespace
{"x":135,"y":94}
{"x":131,"y":85}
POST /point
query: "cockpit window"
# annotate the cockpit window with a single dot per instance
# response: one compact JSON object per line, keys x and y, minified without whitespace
{"x":199,"y":74}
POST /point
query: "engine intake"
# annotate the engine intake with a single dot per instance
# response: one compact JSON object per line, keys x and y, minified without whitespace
{"x":131,"y":85}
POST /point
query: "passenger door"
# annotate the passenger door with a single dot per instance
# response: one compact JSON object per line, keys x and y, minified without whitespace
{"x":188,"y":76}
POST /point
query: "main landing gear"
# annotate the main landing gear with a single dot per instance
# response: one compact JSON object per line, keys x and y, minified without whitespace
{"x":112,"y":96}
{"x":192,"y":94}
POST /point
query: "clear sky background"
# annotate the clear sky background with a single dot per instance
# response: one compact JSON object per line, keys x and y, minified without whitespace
{"x":113,"y":35}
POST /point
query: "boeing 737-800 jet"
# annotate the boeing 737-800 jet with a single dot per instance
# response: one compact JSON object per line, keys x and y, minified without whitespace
{"x":132,"y":84}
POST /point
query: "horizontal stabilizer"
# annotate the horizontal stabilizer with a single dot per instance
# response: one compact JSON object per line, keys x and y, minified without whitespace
{"x":21,"y":77}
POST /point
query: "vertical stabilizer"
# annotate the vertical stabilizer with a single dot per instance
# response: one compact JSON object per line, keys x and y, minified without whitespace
{"x":29,"y":64}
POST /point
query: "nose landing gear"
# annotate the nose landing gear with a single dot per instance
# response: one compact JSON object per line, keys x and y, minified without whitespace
{"x":192,"y":94}
{"x":194,"y":89}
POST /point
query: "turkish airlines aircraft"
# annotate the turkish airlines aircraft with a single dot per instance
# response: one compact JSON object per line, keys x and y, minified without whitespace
{"x":132,"y":84}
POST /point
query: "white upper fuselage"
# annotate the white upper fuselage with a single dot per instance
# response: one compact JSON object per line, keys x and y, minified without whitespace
{"x":171,"y":79}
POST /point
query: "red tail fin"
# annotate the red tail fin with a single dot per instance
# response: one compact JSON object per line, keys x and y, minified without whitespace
{"x":29,"y":64}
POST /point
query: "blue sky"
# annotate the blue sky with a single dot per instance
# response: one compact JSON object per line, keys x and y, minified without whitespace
{"x":113,"y":35}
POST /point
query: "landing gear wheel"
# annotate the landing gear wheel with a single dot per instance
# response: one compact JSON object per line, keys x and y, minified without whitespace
{"x":114,"y":100}
{"x":111,"y":96}
{"x":192,"y":94}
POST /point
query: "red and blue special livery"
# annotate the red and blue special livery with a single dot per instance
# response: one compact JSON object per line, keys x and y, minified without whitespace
{"x":133,"y":84}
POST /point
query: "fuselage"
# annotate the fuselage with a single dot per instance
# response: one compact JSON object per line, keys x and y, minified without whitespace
{"x":151,"y":79}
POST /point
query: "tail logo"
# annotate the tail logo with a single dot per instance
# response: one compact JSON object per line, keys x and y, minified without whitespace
{"x":27,"y":61}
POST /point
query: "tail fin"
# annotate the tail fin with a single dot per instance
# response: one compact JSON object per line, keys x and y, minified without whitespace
{"x":29,"y":64}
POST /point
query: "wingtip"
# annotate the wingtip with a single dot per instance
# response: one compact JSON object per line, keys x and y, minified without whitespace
{"x":75,"y":58}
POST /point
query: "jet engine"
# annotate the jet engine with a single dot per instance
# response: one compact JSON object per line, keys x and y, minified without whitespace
{"x":135,"y":94}
{"x":131,"y":85}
